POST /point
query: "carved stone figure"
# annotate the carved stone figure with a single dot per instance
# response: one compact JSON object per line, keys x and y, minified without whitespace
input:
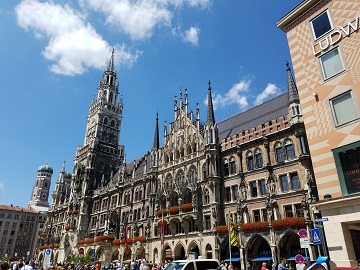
{"x":243,"y":192}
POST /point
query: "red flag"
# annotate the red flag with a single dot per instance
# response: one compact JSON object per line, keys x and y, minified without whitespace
{"x":162,"y":229}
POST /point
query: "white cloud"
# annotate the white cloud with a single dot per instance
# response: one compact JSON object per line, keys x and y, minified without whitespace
{"x":200,"y":3}
{"x":73,"y":44}
{"x":136,"y":18}
{"x":270,"y":90}
{"x":238,"y":95}
{"x":192,"y":35}
{"x":234,"y":96}
{"x":140,"y":18}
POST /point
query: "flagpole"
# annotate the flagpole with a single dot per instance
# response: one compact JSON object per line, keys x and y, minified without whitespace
{"x":229,"y":228}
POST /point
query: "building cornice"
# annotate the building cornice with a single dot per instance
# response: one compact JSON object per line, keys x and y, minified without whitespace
{"x":336,"y":202}
{"x":295,"y":13}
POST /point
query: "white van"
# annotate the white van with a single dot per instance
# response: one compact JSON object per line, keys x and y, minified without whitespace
{"x":197,"y":264}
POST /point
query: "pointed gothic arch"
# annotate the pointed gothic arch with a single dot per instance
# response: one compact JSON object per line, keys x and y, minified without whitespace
{"x":179,"y":251}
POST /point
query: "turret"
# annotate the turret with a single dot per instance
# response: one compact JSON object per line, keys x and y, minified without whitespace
{"x":293,"y":95}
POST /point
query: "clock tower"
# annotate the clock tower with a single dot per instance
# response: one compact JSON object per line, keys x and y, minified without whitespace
{"x":101,"y":154}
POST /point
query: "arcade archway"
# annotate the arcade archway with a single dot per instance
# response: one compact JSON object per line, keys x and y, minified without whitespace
{"x":179,"y":252}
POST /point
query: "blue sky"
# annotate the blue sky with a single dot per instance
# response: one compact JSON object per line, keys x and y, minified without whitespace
{"x":53,"y":54}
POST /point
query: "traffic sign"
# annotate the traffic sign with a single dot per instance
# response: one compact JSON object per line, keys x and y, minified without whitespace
{"x":315,"y":236}
{"x":321,"y":219}
{"x":48,"y":252}
{"x":303,"y":233}
{"x":304,"y":243}
{"x":299,"y":259}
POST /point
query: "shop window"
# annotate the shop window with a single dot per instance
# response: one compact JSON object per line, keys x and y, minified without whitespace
{"x":331,"y":63}
{"x":321,"y":24}
{"x":347,"y":165}
{"x":343,"y":109}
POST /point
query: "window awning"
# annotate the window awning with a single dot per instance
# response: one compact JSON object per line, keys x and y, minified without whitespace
{"x":321,"y":259}
{"x":233,"y":259}
{"x":293,"y":258}
{"x":262,"y":259}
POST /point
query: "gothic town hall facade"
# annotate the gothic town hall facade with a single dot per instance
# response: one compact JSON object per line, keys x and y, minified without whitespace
{"x":254,"y":166}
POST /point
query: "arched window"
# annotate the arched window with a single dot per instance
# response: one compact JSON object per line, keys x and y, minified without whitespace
{"x":279,"y":152}
{"x":258,"y":158}
{"x":208,"y":249}
{"x":232,"y":165}
{"x":106,"y":120}
{"x":111,"y":97}
{"x":289,"y":149}
{"x":250,"y":160}
{"x":112,"y":123}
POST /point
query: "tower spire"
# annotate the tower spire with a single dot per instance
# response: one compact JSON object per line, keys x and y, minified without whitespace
{"x":156,"y":134}
{"x":111,"y":62}
{"x":292,"y":89}
{"x":210,"y":113}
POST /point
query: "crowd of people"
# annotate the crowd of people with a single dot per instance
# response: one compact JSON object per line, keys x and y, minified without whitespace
{"x":128,"y":265}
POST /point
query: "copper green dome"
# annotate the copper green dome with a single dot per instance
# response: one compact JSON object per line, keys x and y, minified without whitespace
{"x":45,"y":168}
{"x":67,"y":175}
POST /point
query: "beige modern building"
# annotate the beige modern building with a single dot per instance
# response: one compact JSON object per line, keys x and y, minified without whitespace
{"x":324,"y":40}
{"x":255,"y":165}
{"x":18,"y":231}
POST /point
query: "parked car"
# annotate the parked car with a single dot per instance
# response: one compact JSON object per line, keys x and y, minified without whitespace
{"x":197,"y":264}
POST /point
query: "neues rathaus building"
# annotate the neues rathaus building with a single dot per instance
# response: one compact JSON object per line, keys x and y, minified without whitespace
{"x":254,"y":166}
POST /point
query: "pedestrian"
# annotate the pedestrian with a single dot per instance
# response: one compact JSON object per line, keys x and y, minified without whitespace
{"x":263,"y":267}
{"x":282,"y":265}
{"x":4,"y":265}
{"x":222,"y":265}
{"x":274,"y":266}
{"x":249,"y":266}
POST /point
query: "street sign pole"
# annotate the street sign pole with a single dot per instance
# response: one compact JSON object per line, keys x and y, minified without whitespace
{"x":321,"y":231}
